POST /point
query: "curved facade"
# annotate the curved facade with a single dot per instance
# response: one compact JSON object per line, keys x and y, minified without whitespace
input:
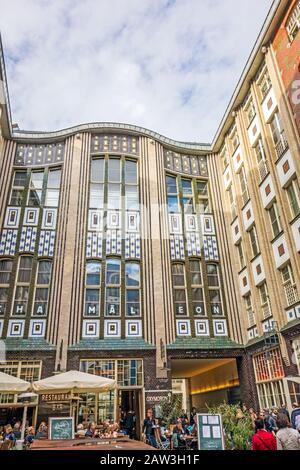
{"x":171,"y":266}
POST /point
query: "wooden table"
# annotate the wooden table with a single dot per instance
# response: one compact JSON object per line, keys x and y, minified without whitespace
{"x":90,"y":444}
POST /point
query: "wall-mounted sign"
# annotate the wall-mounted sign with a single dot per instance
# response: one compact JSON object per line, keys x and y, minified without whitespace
{"x":55,"y":397}
{"x":210,"y":432}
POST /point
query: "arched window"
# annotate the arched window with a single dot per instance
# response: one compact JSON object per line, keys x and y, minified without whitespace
{"x":20,"y":304}
{"x":42,"y":285}
{"x":132,"y":276}
{"x":113,"y":287}
{"x":5,"y":277}
{"x":179,"y":289}
{"x":92,"y":288}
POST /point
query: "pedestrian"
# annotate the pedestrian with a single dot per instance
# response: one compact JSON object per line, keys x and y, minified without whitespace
{"x":283,"y":410}
{"x":270,"y":423}
{"x":263,"y":439}
{"x":129,"y":424}
{"x":149,"y":428}
{"x":287,"y":438}
{"x":295,"y":417}
{"x":193,"y":416}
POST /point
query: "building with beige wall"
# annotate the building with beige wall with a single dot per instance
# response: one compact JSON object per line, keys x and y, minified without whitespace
{"x":172,"y":267}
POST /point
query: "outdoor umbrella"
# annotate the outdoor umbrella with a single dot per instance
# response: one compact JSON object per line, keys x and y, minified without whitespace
{"x":11,"y":384}
{"x":74,"y":381}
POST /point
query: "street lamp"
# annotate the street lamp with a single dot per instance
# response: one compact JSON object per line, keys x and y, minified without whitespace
{"x":26,"y":398}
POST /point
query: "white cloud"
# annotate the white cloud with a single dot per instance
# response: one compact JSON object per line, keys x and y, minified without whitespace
{"x":167,"y":65}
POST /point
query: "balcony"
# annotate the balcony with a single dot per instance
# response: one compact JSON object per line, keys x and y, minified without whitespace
{"x":281,"y":146}
{"x":291,"y":293}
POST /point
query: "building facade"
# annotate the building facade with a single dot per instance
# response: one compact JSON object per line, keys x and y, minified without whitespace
{"x":172,"y":267}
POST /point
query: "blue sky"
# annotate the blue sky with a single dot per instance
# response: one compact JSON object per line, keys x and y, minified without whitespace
{"x":168,"y":65}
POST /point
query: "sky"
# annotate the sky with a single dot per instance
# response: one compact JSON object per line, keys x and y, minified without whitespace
{"x":168,"y":65}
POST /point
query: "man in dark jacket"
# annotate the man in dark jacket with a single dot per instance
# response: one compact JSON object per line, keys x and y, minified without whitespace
{"x":148,"y":428}
{"x":295,"y":417}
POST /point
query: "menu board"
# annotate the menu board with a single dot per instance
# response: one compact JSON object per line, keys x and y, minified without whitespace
{"x":210,"y":432}
{"x":61,"y":428}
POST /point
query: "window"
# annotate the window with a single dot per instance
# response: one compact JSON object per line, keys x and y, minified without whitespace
{"x":293,"y":22}
{"x":261,"y":159}
{"x":22,"y":286}
{"x":250,"y":312}
{"x":114,"y":196}
{"x":35,"y":188}
{"x":131,"y":186}
{"x":113,"y":287}
{"x":275,"y":219}
{"x":224,"y":157}
{"x":97,"y":170}
{"x":53,"y":185}
{"x":5,"y":277}
{"x":265,"y":301}
{"x":241,"y":255}
{"x":214,"y":289}
{"x":278,"y":135}
{"x":114,"y":170}
{"x":132,"y":276}
{"x":264,"y":82}
{"x":96,"y":185}
{"x":249,"y":109}
{"x":234,"y":138}
{"x":254,"y":241}
{"x":232,"y":203}
{"x":197,"y":288}
{"x":172,"y":194}
{"x":92,"y":288}
{"x":243,"y":185}
{"x":269,"y":370}
{"x":203,"y":197}
{"x":42,"y":288}
{"x":19,"y":183}
{"x":187,"y":196}
{"x":130,"y":172}
{"x":289,"y":285}
{"x":293,"y":192}
{"x":179,"y":289}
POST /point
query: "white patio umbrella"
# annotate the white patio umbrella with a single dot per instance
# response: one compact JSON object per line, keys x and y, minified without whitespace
{"x":11,"y":384}
{"x":74,"y":381}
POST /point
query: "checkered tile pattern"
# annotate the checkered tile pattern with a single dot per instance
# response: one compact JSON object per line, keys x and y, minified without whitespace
{"x":132,"y":245}
{"x":113,"y":242}
{"x":193,"y":244}
{"x":8,"y":242}
{"x":210,"y":248}
{"x":28,"y":239}
{"x":177,"y":246}
{"x":94,"y":245}
{"x":46,"y":243}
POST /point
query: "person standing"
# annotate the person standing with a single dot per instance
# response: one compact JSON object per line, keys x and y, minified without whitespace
{"x":287,"y":438}
{"x":193,"y":416}
{"x":149,"y":427}
{"x":270,"y":423}
{"x":283,"y":410}
{"x":295,"y":417}
{"x":263,"y":439}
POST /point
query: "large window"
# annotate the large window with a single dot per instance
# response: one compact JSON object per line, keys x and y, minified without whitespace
{"x":269,"y":370}
{"x":42,"y":287}
{"x":264,"y":82}
{"x":92,"y":288}
{"x":213,"y":280}
{"x":132,"y":276}
{"x":187,"y":196}
{"x":261,"y":159}
{"x":113,"y":287}
{"x":278,"y":135}
{"x":293,"y":193}
{"x":275,"y":219}
{"x":265,"y":300}
{"x":241,"y":255}
{"x":97,"y":183}
{"x":17,"y":192}
{"x":5,"y":278}
{"x":243,"y":185}
{"x":131,"y":185}
{"x":254,"y":241}
{"x":293,"y":22}
{"x":179,"y":289}
{"x":127,"y":372}
{"x":289,"y":285}
{"x":53,"y":185}
{"x":20,"y":304}
{"x":36,"y":188}
{"x":172,"y":194}
{"x":250,"y":311}
{"x":203,"y":197}
{"x":197,"y":288}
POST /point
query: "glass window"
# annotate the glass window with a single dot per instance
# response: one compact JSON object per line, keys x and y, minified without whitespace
{"x":40,"y":301}
{"x":274,"y":219}
{"x":113,"y":268}
{"x":25,"y":267}
{"x":54,"y":179}
{"x":114,"y":196}
{"x":42,"y":288}
{"x":215,"y":302}
{"x":3,"y":300}
{"x":97,"y":170}
{"x":21,"y":300}
{"x":188,"y":205}
{"x":212,"y":275}
{"x":171,"y":185}
{"x":130,"y":172}
{"x":202,"y":188}
{"x":186,"y":186}
{"x":16,"y":197}
{"x":132,"y":197}
{"x":293,"y":193}
{"x":52,"y":197}
{"x":241,"y":255}
{"x":96,"y":196}
{"x":20,"y":179}
{"x":92,"y":294}
{"x":173,"y":204}
{"x":36,"y":180}
{"x":93,"y":273}
{"x":132,"y":276}
{"x":254,"y":241}
{"x":179,"y":290}
{"x":114,"y":170}
{"x":92,"y":299}
{"x":5,"y":270}
{"x":197,"y":289}
{"x":112,"y":301}
{"x":293,"y":22}
{"x":44,"y":272}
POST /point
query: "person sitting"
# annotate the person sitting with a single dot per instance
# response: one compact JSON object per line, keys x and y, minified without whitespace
{"x":263,"y":439}
{"x":9,"y":434}
{"x":30,"y":436}
{"x":80,"y":431}
{"x":42,"y":432}
{"x":91,"y":430}
{"x":178,"y":435}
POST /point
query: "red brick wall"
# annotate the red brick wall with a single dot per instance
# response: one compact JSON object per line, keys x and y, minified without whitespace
{"x":288,"y":59}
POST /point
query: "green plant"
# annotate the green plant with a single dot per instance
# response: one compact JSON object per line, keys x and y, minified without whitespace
{"x":171,"y":410}
{"x":238,"y":427}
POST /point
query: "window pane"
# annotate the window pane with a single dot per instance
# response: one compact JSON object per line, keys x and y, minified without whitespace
{"x":36,"y":181}
{"x":173,"y":204}
{"x":112,"y":301}
{"x":44,"y":271}
{"x":16,"y":197}
{"x":132,"y":274}
{"x":132,"y":295}
{"x":96,"y":196}
{"x":132,"y":197}
{"x":188,"y":205}
{"x":5,"y":270}
{"x":97,"y":170}
{"x":187,"y":187}
{"x":130,"y":172}
{"x":114,"y":170}
{"x":113,"y":271}
{"x":202,"y":187}
{"x":171,"y":185}
{"x":20,"y":179}
{"x":92,"y":297}
{"x":93,"y":272}
{"x":52,"y":196}
{"x":54,"y":179}
{"x":114,"y":196}
{"x":35,"y":197}
{"x":3,"y":300}
{"x":41,"y":294}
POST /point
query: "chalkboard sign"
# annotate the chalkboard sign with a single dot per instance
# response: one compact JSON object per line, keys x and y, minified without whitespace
{"x":61,"y":428}
{"x":210,"y":432}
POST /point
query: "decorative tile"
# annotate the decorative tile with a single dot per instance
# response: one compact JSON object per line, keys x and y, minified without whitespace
{"x":49,"y":219}
{"x":297,"y":311}
{"x":207,"y":224}
{"x":39,"y":155}
{"x":31,"y":216}
{"x":201,"y":328}
{"x":132,"y":221}
{"x":291,"y":314}
{"x":46,"y":243}
{"x":281,"y":251}
{"x":191,"y":224}
{"x":183,"y":328}
{"x":258,"y":270}
{"x":94,"y":245}
{"x":132,"y":245}
{"x":286,"y":168}
{"x":244,"y":282}
{"x":8,"y":242}
{"x":37,"y":328}
{"x":185,"y":163}
{"x":220,"y":328}
{"x":177,"y":247}
{"x":15,"y":328}
{"x":12,"y":217}
{"x":236,"y":232}
{"x":175,"y":223}
{"x":90,"y":328}
{"x":134,"y":328}
{"x":248,"y":216}
{"x":113,"y":219}
{"x":112,"y":328}
{"x":267,"y":192}
{"x":113,"y":242}
{"x":210,"y":248}
{"x":28,"y":239}
{"x":193,"y":244}
{"x":269,"y":105}
{"x":119,"y":143}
